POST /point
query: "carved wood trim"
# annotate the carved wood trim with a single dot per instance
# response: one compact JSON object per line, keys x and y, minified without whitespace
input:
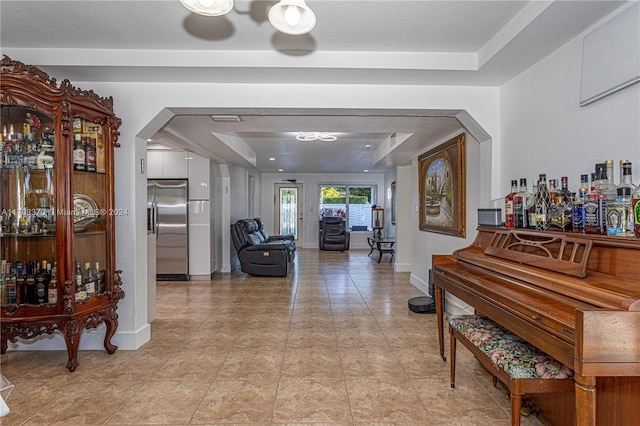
{"x":552,"y":252}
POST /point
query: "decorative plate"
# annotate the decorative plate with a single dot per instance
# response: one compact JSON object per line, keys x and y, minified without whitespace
{"x":84,"y":207}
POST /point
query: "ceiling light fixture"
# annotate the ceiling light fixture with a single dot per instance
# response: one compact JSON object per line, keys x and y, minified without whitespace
{"x":291,"y":17}
{"x":315,"y":136}
{"x":208,"y":7}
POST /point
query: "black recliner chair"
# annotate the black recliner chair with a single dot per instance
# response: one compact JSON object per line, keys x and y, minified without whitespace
{"x":259,"y":253}
{"x":334,"y":234}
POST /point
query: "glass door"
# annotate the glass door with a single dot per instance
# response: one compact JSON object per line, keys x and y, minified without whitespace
{"x":289,"y":209}
{"x":27,"y":207}
{"x":90,"y":212}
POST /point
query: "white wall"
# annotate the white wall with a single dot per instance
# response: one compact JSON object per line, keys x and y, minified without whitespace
{"x":545,"y":131}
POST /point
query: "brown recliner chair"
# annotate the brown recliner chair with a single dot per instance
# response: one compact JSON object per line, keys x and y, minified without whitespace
{"x":334,"y":234}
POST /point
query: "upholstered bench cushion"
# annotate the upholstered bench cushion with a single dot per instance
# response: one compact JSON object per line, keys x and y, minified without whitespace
{"x":507,"y":351}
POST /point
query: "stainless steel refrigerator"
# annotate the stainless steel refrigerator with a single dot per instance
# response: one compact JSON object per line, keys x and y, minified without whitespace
{"x":167,"y":217}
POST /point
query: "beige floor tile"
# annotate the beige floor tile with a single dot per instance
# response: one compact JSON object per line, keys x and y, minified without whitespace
{"x":384,"y":400}
{"x":371,"y":364}
{"x":317,"y":400}
{"x":86,"y":403}
{"x":237,"y":401}
{"x":471,"y":402}
{"x":161,"y":402}
{"x":311,"y":364}
{"x":316,"y":337}
{"x":251,"y":365}
{"x":190,"y":364}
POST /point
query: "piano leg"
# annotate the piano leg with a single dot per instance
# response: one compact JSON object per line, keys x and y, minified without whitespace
{"x":452,"y":352}
{"x":585,"y":400}
{"x":439,"y":298}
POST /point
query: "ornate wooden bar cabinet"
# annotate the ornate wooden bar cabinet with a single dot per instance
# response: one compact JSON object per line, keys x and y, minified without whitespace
{"x":57,"y":209}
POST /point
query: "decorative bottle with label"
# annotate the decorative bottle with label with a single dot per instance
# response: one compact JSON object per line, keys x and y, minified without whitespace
{"x":521,"y":202}
{"x":577,"y":210}
{"x":89,"y":281}
{"x":620,"y":213}
{"x":542,"y":204}
{"x":42,"y":283}
{"x":53,"y":285}
{"x":78,"y":153}
{"x":509,"y":219}
{"x":99,"y":279}
{"x":594,"y":205}
{"x":531,"y":210}
{"x":635,"y":202}
{"x":89,"y":154}
{"x":81,"y":291}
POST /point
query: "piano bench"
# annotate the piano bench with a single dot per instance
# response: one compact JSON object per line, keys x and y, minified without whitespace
{"x":522,"y":367}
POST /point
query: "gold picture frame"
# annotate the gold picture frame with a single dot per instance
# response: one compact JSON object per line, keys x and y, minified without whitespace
{"x":442,"y":183}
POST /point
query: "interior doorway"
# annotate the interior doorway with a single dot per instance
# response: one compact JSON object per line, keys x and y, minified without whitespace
{"x":289,"y":208}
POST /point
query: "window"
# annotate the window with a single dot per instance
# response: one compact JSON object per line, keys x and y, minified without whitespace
{"x":351,"y":202}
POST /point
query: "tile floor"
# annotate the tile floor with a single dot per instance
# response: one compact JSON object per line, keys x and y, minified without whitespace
{"x":331,"y":344}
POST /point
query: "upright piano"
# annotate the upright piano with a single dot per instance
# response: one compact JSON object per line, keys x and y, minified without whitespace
{"x":574,"y":296}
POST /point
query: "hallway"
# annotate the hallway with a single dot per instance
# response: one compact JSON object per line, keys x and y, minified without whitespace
{"x":331,"y":344}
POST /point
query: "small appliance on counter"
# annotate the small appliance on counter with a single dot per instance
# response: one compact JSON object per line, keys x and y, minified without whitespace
{"x":490,"y":217}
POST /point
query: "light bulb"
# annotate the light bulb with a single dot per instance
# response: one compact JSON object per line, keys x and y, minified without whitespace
{"x":292,"y":15}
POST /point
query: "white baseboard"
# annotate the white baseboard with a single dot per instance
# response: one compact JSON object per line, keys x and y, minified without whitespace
{"x":91,"y":340}
{"x":420,"y":284}
{"x":402,"y":267}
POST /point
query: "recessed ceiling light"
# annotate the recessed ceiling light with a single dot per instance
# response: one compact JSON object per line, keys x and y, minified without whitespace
{"x":367,"y":146}
{"x":366,"y":170}
{"x":281,"y":170}
{"x":226,"y":118}
{"x":272,"y":158}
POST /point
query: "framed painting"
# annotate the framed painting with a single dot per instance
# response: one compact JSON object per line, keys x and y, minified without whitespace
{"x":442,"y":183}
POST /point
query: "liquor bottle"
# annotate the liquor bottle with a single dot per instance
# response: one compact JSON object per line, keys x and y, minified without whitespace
{"x":81,"y":291}
{"x":89,"y":281}
{"x":78,"y":153}
{"x":508,"y":205}
{"x":46,"y":157}
{"x":594,"y":205}
{"x":42,"y":283}
{"x":30,"y":281}
{"x":10,"y":282}
{"x":542,"y":204}
{"x":21,"y":287}
{"x":604,"y":182}
{"x":53,"y":285}
{"x":620,"y":213}
{"x":100,"y":154}
{"x":99,"y":279}
{"x":3,"y":284}
{"x":521,"y":202}
{"x":577,"y":210}
{"x":635,"y":204}
{"x":553,"y":190}
{"x":561,"y":207}
{"x":89,"y":154}
{"x":531,"y":210}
